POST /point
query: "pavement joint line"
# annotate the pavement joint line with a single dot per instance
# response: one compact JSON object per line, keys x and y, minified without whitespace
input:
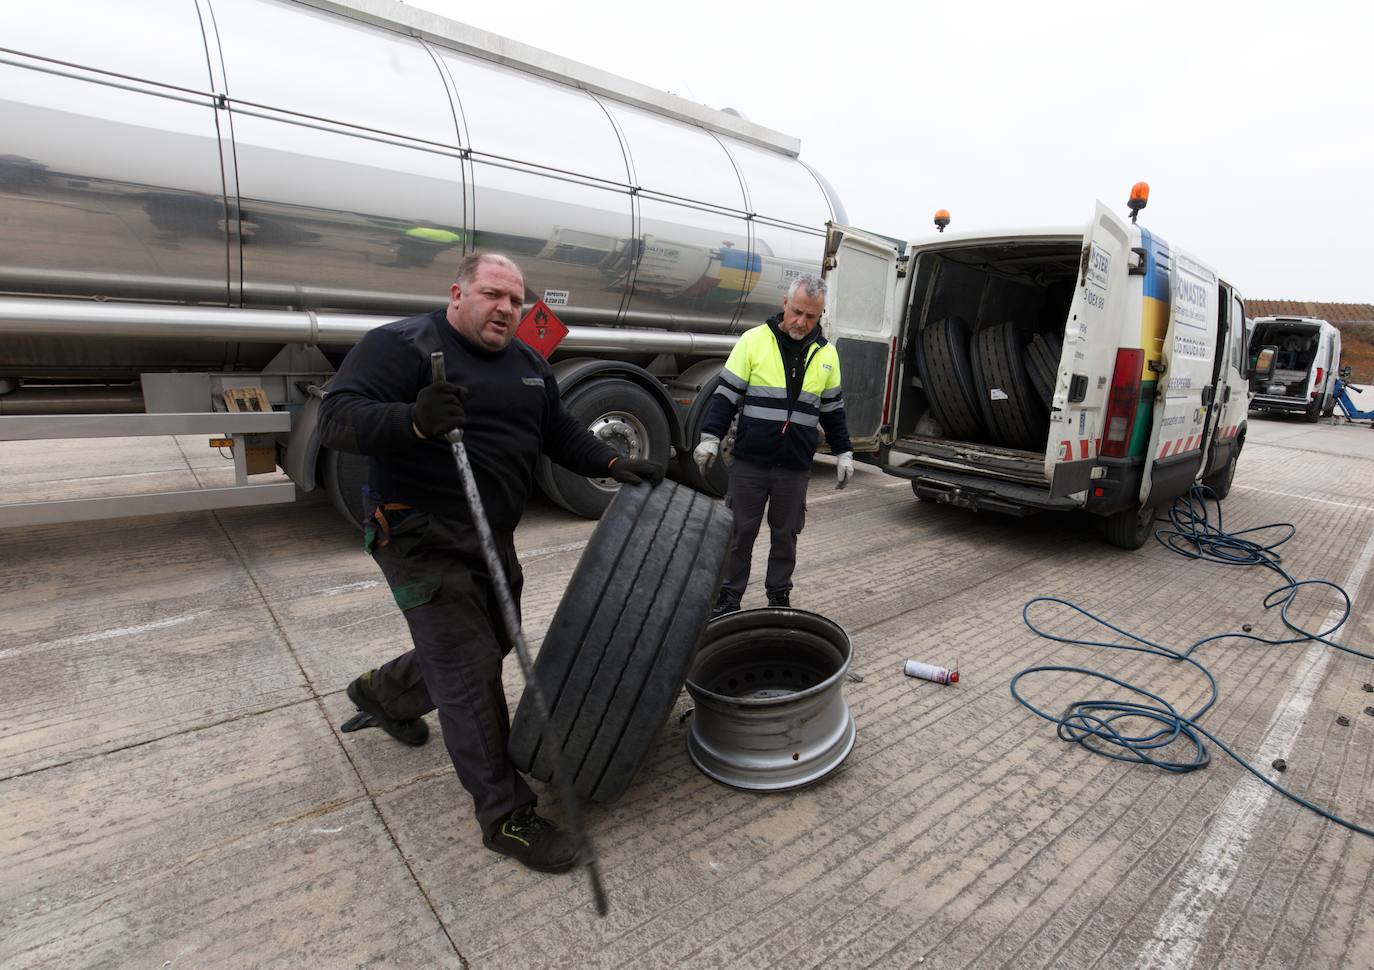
{"x":193,"y":729}
{"x":1206,"y":879}
{"x":319,"y":705}
{"x":1308,"y":498}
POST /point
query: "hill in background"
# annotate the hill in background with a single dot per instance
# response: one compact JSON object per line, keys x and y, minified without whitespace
{"x":1355,"y":321}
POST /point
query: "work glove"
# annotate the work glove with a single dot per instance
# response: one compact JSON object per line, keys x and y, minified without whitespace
{"x":844,"y":468}
{"x":707,"y":452}
{"x":635,"y":471}
{"x":439,"y":409}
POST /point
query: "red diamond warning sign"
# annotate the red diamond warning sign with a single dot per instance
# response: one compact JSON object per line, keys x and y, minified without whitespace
{"x":541,"y":329}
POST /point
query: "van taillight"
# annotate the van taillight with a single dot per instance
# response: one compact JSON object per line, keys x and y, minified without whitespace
{"x":1319,"y":377}
{"x":1123,"y":400}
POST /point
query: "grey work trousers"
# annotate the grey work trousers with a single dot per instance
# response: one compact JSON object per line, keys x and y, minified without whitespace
{"x":783,"y":492}
{"x":439,"y":578}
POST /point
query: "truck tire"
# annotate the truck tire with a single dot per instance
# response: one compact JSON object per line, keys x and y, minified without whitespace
{"x":715,"y":480}
{"x":1013,"y":414}
{"x":947,"y":375}
{"x":1130,"y":528}
{"x":1042,"y":365}
{"x":1314,"y":412}
{"x":623,"y":415}
{"x":344,"y":476}
{"x":1220,"y":483}
{"x":620,"y":644}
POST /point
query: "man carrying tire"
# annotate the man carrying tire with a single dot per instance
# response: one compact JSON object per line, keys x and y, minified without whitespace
{"x":783,"y":379}
{"x":384,"y":404}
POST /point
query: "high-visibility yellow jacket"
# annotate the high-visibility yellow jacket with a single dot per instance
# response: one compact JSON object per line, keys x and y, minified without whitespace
{"x":783,"y":390}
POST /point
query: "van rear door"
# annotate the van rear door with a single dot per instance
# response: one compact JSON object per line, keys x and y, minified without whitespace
{"x":1091,"y":336}
{"x":1185,"y":394}
{"x":861,"y":317}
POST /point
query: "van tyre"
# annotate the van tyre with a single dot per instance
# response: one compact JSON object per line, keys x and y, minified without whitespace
{"x":948,"y":377}
{"x":1314,"y":412}
{"x":1010,"y":409}
{"x":1220,"y":483}
{"x":618,"y":649}
{"x":627,"y":418}
{"x":1130,"y":528}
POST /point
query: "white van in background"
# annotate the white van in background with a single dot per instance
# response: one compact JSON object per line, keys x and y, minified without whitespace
{"x":1307,"y":355}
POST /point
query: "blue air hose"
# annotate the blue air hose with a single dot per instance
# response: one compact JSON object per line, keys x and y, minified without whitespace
{"x":1113,"y":728}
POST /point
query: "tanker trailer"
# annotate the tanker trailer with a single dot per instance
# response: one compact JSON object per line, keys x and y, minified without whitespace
{"x":207,"y":216}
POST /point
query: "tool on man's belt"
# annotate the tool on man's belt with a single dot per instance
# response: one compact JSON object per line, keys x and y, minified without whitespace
{"x":562,"y":776}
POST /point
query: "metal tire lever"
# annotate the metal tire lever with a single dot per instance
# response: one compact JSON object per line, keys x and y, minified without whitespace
{"x":562,"y":776}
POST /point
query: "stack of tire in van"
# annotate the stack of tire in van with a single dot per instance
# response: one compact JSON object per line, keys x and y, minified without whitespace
{"x":992,"y":385}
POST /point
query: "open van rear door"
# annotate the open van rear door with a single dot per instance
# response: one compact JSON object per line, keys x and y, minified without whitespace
{"x":861,"y":317}
{"x":1090,"y":343}
{"x":1186,"y":392}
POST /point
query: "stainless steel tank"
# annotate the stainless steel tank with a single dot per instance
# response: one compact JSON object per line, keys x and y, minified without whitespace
{"x":275,"y":154}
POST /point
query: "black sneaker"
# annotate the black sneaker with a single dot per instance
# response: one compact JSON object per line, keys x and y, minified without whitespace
{"x":724,"y":604}
{"x":783,"y":599}
{"x":534,"y":841}
{"x":414,"y":732}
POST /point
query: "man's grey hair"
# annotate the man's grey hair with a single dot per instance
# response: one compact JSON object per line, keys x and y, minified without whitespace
{"x":467,"y":268}
{"x":815,"y":287}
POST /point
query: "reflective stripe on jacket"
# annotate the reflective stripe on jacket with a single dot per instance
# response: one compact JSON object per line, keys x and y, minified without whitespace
{"x":777,"y":424}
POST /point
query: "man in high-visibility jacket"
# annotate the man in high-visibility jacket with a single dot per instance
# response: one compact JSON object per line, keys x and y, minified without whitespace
{"x":783,"y":378}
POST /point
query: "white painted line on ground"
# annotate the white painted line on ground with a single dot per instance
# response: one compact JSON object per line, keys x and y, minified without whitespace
{"x":1207,"y":876}
{"x":102,"y":635}
{"x":1308,"y":498}
{"x":350,"y":587}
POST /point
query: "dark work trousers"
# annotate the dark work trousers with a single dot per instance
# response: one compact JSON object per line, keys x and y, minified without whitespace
{"x":783,"y":491}
{"x":439,"y":578}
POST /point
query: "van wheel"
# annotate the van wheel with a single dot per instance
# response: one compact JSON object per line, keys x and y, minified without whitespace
{"x":1130,"y":528}
{"x":1220,"y":483}
{"x":624,"y":416}
{"x":617,"y":651}
{"x":1314,"y":412}
{"x":1330,"y":408}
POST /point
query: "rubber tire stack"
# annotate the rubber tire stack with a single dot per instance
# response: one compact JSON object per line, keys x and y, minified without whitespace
{"x":1007,"y":398}
{"x":1042,"y":364}
{"x":618,"y":649}
{"x":947,"y":375}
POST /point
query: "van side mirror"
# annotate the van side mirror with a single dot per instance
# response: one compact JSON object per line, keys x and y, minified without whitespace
{"x":1263,"y":367}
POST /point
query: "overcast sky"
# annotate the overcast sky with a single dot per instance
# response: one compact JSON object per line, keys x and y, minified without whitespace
{"x":1252,"y":122}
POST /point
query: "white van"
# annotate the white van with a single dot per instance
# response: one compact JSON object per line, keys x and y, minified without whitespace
{"x":1093,"y":368}
{"x":1307,"y":356}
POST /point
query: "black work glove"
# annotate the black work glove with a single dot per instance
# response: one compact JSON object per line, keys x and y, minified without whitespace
{"x":439,"y":409}
{"x":636,"y":471}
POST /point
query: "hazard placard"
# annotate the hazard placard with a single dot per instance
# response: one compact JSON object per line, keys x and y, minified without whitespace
{"x":541,"y":329}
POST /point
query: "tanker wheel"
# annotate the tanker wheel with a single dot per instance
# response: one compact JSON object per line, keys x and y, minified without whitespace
{"x":618,"y":648}
{"x":344,"y":476}
{"x":624,"y":416}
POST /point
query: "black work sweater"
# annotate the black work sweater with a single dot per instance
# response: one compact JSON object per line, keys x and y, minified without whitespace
{"x":513,"y":413}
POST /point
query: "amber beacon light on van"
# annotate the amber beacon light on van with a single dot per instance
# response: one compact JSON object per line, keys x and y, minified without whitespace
{"x":941,"y":219}
{"x":1140,"y":197}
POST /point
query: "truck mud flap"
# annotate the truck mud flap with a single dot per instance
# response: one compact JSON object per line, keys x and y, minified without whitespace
{"x":1172,"y":477}
{"x":1072,"y":476}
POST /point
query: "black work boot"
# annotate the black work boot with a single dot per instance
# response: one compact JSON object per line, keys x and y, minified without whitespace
{"x":533,"y":840}
{"x":727,"y":602}
{"x":782,"y":598}
{"x":414,"y":732}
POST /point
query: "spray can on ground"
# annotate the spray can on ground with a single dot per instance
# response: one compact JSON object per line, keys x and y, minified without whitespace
{"x":938,"y":675}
